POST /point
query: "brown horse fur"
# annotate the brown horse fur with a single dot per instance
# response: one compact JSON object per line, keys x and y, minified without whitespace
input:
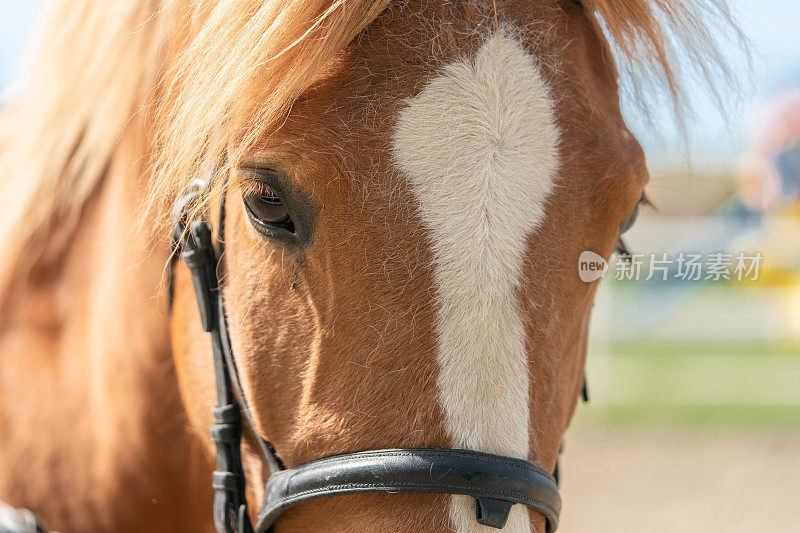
{"x":334,"y":337}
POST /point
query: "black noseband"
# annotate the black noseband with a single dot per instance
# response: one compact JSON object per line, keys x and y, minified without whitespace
{"x":496,"y":482}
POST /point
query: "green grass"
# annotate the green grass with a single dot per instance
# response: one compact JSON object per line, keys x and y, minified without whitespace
{"x":740,"y":417}
{"x":743,"y":385}
{"x":701,"y":347}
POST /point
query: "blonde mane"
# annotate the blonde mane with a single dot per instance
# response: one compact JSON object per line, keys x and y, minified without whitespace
{"x":233,"y":70}
{"x":88,"y":77}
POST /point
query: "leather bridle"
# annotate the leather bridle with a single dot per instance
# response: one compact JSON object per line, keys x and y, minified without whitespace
{"x":496,"y":482}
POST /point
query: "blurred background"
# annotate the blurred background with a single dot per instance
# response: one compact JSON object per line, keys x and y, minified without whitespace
{"x":694,"y":420}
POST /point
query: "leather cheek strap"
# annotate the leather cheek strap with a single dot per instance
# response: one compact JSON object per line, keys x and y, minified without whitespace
{"x":496,"y":482}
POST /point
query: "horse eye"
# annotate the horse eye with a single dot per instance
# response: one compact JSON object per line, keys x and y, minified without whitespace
{"x":628,"y":222}
{"x":266,"y":209}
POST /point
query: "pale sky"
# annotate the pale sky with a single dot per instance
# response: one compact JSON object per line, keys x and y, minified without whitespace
{"x":771,"y":25}
{"x":773,"y":28}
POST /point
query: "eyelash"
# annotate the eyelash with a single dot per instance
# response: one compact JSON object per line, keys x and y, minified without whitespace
{"x":620,"y":247}
{"x":253,"y":184}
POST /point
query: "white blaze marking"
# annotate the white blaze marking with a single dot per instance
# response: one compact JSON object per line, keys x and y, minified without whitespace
{"x":479,"y":145}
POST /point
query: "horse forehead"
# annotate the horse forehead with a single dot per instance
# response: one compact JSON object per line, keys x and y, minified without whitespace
{"x":479,"y":147}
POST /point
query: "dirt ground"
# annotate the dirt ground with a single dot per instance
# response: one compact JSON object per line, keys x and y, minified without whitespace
{"x":645,"y":481}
